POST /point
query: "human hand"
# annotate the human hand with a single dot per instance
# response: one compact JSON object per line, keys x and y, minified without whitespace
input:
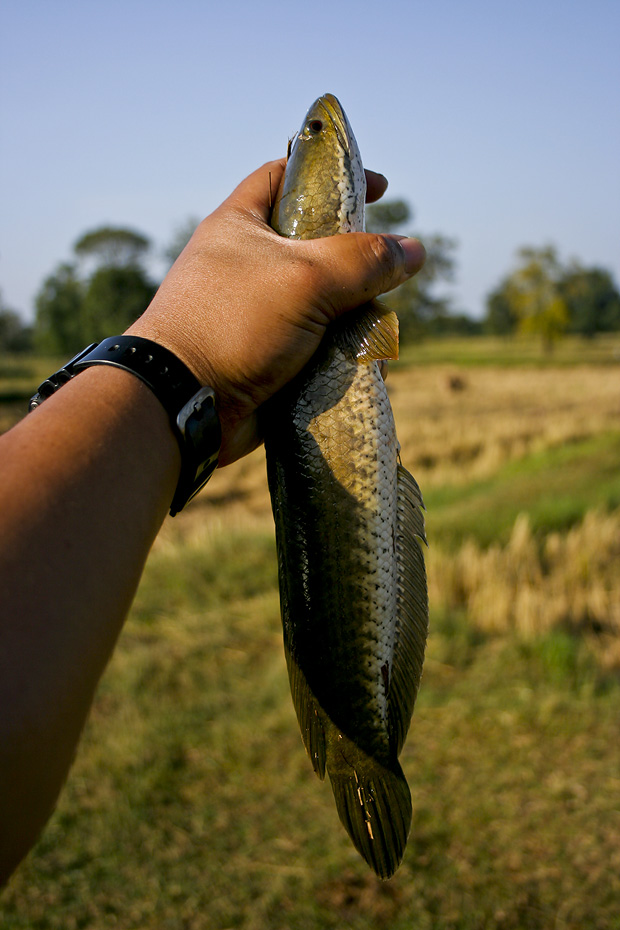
{"x":246,"y":308}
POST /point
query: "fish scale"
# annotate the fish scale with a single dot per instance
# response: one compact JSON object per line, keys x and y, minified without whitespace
{"x":348,"y":524}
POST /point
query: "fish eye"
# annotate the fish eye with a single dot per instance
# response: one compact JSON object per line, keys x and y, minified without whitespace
{"x":315,"y":126}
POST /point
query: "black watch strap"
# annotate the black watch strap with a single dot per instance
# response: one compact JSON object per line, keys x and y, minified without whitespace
{"x":190,"y":406}
{"x":167,"y":376}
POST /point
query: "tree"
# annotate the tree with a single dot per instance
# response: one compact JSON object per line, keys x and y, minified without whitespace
{"x":388,"y":215}
{"x":59,"y":326}
{"x":112,"y":246}
{"x":75,"y":308}
{"x":531,"y":295}
{"x":15,"y":335}
{"x":114,"y":298}
{"x":500,"y":319}
{"x":419,"y":309}
{"x":592,"y":300}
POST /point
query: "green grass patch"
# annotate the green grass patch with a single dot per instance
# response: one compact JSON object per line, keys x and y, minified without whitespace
{"x":510,"y":351}
{"x":206,"y":571}
{"x":555,"y":487}
{"x":20,"y":376}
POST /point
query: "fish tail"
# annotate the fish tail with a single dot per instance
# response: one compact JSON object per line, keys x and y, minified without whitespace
{"x":372,"y":798}
{"x":375,"y":810}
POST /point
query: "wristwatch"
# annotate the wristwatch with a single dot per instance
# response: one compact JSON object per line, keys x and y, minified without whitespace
{"x":191,"y":407}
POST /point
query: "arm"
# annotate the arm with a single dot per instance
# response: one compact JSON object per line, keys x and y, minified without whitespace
{"x":86,"y":479}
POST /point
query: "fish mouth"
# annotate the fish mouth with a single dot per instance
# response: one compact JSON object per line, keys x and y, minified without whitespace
{"x":330,"y":107}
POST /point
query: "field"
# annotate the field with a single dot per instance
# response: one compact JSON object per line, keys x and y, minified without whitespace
{"x":192,"y":804}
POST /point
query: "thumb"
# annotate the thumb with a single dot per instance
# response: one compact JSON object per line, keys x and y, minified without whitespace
{"x":361,"y":266}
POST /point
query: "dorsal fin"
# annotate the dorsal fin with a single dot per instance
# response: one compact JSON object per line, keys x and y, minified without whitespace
{"x":412,"y":608}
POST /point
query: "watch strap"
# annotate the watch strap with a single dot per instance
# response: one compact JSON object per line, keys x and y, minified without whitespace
{"x":191,"y":407}
{"x":166,"y":375}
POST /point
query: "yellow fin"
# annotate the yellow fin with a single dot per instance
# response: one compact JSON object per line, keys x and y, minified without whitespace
{"x":369,"y":333}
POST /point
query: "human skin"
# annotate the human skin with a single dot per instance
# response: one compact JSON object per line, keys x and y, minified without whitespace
{"x":86,"y":480}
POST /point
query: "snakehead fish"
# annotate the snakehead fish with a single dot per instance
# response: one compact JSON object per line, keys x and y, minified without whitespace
{"x":348,"y":523}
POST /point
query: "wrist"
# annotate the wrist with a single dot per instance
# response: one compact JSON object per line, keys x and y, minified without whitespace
{"x":175,"y":340}
{"x":190,"y":407}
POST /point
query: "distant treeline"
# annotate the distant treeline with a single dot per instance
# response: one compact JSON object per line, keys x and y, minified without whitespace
{"x":99,"y":293}
{"x":105,"y":286}
{"x":541,"y":295}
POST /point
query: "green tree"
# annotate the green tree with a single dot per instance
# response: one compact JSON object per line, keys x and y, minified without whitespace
{"x":420,"y":310}
{"x":15,"y":335}
{"x":59,"y":324}
{"x":74,"y":308}
{"x":532,"y":296}
{"x":592,"y":299}
{"x":114,"y":298}
{"x":500,"y":318}
{"x":113,"y":246}
{"x":388,"y":216}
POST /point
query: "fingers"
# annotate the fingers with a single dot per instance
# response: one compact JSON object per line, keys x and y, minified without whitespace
{"x":341,"y":272}
{"x":414,"y":252}
{"x":376,"y":186}
{"x":361,"y":266}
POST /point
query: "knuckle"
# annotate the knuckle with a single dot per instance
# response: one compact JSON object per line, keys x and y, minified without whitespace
{"x":387,"y":255}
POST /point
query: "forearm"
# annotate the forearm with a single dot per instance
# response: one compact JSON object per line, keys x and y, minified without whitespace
{"x":85,"y":483}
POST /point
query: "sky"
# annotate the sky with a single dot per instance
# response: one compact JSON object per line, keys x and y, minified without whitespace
{"x":498,"y":121}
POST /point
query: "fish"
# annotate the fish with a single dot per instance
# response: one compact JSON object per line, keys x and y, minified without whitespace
{"x":349,"y":523}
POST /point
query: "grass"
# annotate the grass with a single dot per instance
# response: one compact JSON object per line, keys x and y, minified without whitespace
{"x":554,"y":486}
{"x":520,"y":351}
{"x":192,"y":803}
{"x":20,"y":376}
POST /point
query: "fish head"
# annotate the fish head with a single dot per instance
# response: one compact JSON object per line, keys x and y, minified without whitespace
{"x":323,"y":190}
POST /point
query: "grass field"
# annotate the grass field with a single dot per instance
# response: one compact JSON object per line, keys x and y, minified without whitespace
{"x":192,"y":803}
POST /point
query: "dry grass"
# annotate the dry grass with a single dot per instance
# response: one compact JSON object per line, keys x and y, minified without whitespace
{"x":531,"y":586}
{"x":456,"y":436}
{"x":453,"y":436}
{"x":459,"y":425}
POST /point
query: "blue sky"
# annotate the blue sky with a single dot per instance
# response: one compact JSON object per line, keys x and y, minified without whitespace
{"x":498,"y":121}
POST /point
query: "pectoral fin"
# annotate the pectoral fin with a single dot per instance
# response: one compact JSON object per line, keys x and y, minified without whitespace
{"x":369,"y":333}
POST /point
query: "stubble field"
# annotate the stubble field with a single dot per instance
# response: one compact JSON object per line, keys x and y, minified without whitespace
{"x":191,"y":803}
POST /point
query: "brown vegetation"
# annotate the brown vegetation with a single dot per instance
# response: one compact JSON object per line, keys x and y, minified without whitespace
{"x":566,"y":581}
{"x":456,"y":436}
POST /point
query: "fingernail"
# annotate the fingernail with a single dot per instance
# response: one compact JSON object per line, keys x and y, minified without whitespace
{"x":415,"y":254}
